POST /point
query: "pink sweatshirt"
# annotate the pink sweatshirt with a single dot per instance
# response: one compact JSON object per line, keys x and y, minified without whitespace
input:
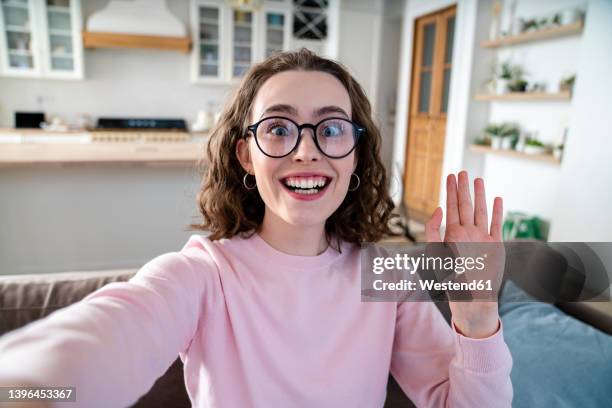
{"x":255,"y":327}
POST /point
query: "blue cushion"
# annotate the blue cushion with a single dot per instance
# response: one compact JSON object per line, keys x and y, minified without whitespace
{"x":558,"y":360}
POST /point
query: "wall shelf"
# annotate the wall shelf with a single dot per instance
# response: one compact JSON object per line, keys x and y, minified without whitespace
{"x":113,"y":40}
{"x":547,"y":158}
{"x":543,"y":34}
{"x":34,"y":147}
{"x":525,"y":96}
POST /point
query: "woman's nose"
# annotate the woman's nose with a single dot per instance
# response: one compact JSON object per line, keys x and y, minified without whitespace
{"x":307,"y":149}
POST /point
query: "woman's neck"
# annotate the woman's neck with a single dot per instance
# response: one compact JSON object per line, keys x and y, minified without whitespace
{"x":307,"y":240}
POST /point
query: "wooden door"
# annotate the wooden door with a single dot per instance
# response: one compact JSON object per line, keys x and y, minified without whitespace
{"x":431,"y":68}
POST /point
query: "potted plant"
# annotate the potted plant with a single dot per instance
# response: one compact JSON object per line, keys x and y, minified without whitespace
{"x":503,"y":136}
{"x":517,"y":81}
{"x":570,"y":16}
{"x":510,"y":134}
{"x":511,"y":78}
{"x":534,"y":146}
{"x":505,"y":76}
{"x":517,"y":85}
{"x":494,"y":131}
{"x":567,"y":84}
{"x":481,"y":141}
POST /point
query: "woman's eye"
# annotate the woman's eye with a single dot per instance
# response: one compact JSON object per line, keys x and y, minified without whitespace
{"x":332,"y":130}
{"x":279,"y":131}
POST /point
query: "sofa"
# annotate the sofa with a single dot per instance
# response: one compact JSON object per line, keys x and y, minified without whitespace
{"x":26,"y":298}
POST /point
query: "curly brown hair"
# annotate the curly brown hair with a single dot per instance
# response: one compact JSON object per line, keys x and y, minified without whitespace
{"x":228,"y":208}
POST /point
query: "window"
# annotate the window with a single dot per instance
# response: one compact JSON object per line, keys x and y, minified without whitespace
{"x":310,"y":19}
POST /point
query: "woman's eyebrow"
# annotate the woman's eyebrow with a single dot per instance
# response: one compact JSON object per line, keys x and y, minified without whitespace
{"x":330,"y":109}
{"x":284,"y":108}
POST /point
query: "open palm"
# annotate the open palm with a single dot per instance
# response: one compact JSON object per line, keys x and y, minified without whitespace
{"x":467,"y":223}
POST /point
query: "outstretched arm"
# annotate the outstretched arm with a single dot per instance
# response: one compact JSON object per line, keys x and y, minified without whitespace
{"x":116,"y":342}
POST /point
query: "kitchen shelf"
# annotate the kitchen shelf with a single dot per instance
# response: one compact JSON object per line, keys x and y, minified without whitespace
{"x":187,"y":153}
{"x":35,"y":146}
{"x":548,"y":158}
{"x":539,"y":35}
{"x":112,"y":40}
{"x":525,"y":96}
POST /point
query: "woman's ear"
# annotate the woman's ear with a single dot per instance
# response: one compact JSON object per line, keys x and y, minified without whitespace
{"x":243,"y":155}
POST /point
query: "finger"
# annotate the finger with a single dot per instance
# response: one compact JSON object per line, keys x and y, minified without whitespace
{"x":481,"y":218}
{"x":432,"y":227}
{"x":496,"y":219}
{"x":466,"y":211}
{"x":452,"y":210}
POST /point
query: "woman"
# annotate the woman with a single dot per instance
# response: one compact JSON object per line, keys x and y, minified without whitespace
{"x":266,"y":311}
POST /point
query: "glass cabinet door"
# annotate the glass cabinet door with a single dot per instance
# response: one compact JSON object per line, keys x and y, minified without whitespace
{"x":17,"y":31}
{"x":60,"y":35}
{"x":209,"y":41}
{"x":275,"y":32}
{"x":242,"y":23}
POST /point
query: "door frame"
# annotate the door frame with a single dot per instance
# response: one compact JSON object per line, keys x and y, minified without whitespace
{"x":465,"y":24}
{"x":434,"y":109}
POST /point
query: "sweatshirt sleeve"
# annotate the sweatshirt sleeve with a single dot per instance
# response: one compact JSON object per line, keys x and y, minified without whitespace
{"x":438,"y":367}
{"x":116,"y":342}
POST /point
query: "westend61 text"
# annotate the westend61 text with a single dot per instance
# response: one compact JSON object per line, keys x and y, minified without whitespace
{"x":429,"y":285}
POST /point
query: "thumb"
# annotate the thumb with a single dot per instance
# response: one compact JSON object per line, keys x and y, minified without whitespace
{"x":432,"y":228}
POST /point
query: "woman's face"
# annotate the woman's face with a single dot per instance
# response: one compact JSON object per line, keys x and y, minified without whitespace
{"x":304,"y":97}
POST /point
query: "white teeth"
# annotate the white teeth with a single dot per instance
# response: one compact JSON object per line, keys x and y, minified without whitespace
{"x":307,"y":192}
{"x":305,"y":182}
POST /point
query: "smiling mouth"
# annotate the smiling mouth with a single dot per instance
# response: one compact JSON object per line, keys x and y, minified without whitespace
{"x":306,"y":185}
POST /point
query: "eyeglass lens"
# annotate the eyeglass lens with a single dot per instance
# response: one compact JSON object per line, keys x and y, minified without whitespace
{"x":278,"y":136}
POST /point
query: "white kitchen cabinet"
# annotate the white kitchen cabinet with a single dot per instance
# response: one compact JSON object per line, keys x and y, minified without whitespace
{"x":41,"y":38}
{"x":227,"y":41}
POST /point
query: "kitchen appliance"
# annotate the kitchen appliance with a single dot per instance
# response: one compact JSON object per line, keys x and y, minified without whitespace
{"x":140,"y":129}
{"x":29,"y":119}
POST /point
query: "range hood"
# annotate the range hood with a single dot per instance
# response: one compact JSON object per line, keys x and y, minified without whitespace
{"x":136,"y":24}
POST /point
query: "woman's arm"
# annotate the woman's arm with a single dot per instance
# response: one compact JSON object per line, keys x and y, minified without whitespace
{"x":437,"y":367}
{"x":116,"y":342}
{"x":470,"y":367}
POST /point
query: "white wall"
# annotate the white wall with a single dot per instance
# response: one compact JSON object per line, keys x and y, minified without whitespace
{"x":106,"y":216}
{"x":388,"y":78}
{"x":360,"y":30}
{"x":530,"y":186}
{"x":583,"y":204}
{"x":566,"y":195}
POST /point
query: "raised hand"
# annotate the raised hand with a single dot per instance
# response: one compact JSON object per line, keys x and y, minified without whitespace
{"x":470,"y":224}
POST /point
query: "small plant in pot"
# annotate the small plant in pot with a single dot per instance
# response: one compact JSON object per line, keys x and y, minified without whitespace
{"x":503,"y":136}
{"x":511,"y":78}
{"x":493,"y":131}
{"x":567,"y":84}
{"x":517,"y":85}
{"x":510,"y":133}
{"x":534,"y":146}
{"x":503,"y":78}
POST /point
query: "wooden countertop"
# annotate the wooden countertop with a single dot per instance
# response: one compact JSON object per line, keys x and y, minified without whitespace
{"x":33,"y":146}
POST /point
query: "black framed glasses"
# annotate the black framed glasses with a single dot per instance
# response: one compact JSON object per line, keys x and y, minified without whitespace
{"x":278,"y":136}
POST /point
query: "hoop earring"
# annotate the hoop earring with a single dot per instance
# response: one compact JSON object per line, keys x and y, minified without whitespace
{"x":358,"y":183}
{"x":244,"y":181}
